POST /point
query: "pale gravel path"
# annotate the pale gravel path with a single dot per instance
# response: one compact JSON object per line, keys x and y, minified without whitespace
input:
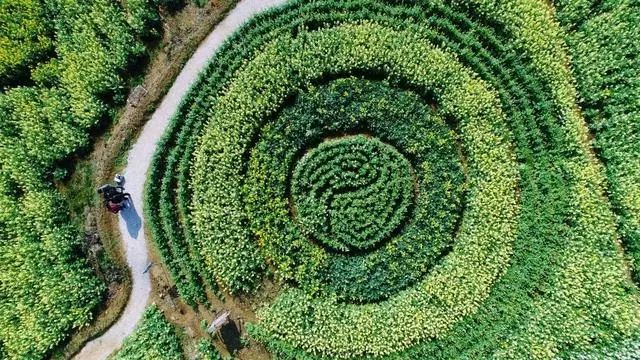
{"x":131,"y":224}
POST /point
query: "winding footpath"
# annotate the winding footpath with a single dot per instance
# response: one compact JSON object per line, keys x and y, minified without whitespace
{"x":131,"y":223}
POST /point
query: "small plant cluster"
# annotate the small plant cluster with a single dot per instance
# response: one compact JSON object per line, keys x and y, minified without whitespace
{"x":508,"y":247}
{"x":153,"y":338}
{"x":206,"y":351}
{"x":63,"y":65}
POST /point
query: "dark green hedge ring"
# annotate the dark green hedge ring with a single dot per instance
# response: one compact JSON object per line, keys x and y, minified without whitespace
{"x":399,"y":118}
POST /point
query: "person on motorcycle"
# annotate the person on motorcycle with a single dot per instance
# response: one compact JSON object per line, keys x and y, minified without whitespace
{"x":114,"y":197}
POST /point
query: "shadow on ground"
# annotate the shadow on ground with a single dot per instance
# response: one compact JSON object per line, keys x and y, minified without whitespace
{"x":130,"y":216}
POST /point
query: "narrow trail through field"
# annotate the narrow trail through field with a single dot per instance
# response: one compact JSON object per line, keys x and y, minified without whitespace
{"x":131,"y":223}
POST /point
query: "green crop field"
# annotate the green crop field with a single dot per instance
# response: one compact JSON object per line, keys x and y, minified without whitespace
{"x":428,"y":179}
{"x":379,"y":179}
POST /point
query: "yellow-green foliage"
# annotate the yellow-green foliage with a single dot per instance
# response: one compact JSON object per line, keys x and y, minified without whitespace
{"x":606,"y":65}
{"x":46,"y":290}
{"x":206,"y":351}
{"x":25,"y":35}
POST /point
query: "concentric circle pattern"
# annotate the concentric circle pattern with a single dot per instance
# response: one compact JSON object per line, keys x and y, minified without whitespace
{"x":415,"y":178}
{"x":352,"y":193}
{"x":400,"y":119}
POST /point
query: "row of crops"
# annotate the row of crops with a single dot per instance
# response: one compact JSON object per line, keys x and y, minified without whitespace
{"x":606,"y":65}
{"x":153,"y":338}
{"x":63,"y":69}
{"x":418,"y":178}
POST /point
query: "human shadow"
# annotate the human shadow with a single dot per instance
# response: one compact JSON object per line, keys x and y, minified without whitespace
{"x":131,"y":218}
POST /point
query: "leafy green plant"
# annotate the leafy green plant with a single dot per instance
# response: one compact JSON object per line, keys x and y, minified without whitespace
{"x":25,"y":37}
{"x":206,"y":351}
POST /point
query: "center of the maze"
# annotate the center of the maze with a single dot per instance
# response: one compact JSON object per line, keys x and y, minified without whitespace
{"x":352,"y":193}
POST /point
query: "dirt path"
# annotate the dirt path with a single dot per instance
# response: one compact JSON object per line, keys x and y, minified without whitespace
{"x":131,"y":222}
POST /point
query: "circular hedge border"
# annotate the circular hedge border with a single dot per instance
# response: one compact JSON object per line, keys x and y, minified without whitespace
{"x":481,"y":250}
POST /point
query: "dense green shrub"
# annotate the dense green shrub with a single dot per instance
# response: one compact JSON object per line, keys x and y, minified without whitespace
{"x":45,"y":289}
{"x":142,"y":17}
{"x":153,"y":339}
{"x":206,"y":351}
{"x":533,"y":270}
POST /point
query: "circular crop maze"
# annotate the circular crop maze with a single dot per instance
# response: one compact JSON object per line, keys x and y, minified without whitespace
{"x":416,"y":178}
{"x":351,"y":194}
